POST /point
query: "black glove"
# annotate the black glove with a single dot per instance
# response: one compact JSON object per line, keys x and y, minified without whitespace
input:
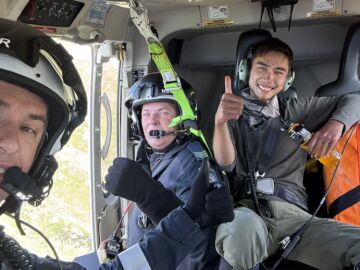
{"x":12,"y":254}
{"x":218,"y":205}
{"x":126,"y":178}
{"x":195,"y":204}
{"x":207,"y":206}
{"x":210,"y":204}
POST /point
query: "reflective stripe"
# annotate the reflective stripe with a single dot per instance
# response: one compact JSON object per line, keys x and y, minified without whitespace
{"x":134,"y":259}
{"x":197,"y":149}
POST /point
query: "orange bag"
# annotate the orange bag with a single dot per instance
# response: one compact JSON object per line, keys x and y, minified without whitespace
{"x":343,"y":200}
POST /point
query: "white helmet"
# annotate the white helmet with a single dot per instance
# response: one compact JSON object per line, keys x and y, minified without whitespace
{"x":34,"y":61}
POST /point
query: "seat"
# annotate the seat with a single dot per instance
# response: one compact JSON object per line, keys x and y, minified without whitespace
{"x":204,"y":82}
{"x":290,"y":93}
{"x":348,"y":80}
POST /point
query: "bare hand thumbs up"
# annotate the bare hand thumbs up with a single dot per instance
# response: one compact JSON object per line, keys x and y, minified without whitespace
{"x":230,"y":106}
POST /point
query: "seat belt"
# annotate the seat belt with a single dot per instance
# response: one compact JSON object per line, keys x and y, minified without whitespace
{"x":262,"y":161}
{"x":267,"y":151}
{"x":344,"y":201}
{"x":265,"y":184}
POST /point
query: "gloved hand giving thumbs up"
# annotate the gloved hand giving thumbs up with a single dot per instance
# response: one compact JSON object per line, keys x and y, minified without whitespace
{"x":209,"y":205}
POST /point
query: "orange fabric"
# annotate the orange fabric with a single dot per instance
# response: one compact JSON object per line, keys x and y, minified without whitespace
{"x":347,"y":176}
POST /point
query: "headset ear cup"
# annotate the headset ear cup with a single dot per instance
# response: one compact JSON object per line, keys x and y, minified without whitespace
{"x":289,"y":80}
{"x":243,"y":70}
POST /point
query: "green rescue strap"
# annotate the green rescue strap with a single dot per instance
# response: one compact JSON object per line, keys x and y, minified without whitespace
{"x":171,"y":80}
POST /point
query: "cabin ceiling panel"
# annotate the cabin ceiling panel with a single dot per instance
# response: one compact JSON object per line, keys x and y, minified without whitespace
{"x":193,"y":2}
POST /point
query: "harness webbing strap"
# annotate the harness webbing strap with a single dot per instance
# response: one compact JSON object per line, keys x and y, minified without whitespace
{"x":268,"y":147}
{"x":345,"y":201}
{"x":171,"y":80}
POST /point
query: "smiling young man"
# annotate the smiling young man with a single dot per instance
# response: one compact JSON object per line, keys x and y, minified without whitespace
{"x":268,"y":74}
{"x":268,"y":167}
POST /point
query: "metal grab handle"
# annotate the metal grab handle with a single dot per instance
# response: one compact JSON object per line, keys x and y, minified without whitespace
{"x":104,"y":100}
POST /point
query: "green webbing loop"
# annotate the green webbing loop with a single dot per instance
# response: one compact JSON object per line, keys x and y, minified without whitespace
{"x":171,"y":80}
{"x":172,"y":85}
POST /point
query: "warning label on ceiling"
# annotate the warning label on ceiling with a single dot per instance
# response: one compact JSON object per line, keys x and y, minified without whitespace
{"x":218,"y":12}
{"x":320,"y":5}
{"x":325,"y":13}
{"x":208,"y":23}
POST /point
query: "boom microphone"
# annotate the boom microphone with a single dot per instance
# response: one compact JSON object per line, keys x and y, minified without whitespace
{"x":20,"y":184}
{"x":160,"y":133}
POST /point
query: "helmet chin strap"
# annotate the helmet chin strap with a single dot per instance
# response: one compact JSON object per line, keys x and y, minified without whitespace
{"x":44,"y":137}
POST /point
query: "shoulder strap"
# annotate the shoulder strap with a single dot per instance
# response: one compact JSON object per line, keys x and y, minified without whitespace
{"x":166,"y":160}
{"x":197,"y":149}
{"x":261,"y":163}
{"x":271,"y":138}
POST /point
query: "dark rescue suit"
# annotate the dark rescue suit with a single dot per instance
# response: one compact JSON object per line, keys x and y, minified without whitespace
{"x":177,"y":233}
{"x":326,"y":244}
{"x":176,"y":169}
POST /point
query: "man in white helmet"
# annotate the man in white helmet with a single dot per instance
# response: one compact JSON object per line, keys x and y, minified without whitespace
{"x":23,"y":118}
{"x":42,"y":100}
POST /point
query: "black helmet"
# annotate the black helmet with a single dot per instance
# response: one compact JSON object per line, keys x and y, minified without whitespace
{"x":150,"y":89}
{"x":34,"y":61}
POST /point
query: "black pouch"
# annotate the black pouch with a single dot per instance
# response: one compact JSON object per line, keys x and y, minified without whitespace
{"x":265,"y":208}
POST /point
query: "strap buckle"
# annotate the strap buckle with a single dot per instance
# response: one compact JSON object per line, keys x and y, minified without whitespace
{"x":143,"y":221}
{"x":140,"y":17}
{"x":258,"y":175}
